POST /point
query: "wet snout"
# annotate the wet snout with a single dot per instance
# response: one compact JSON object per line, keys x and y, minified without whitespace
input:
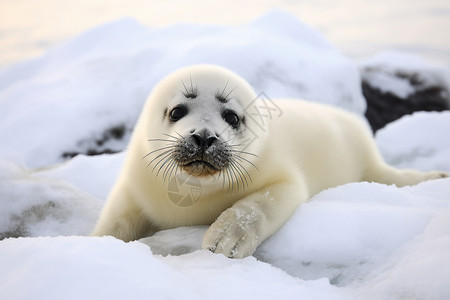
{"x":203,"y":139}
{"x":201,"y":153}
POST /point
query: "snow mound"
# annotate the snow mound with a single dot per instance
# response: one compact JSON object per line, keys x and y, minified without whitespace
{"x":36,"y":206}
{"x":106,"y":268}
{"x":94,"y":175}
{"x":88,"y":268}
{"x":94,"y":86}
{"x":419,"y":141}
{"x":420,"y":270}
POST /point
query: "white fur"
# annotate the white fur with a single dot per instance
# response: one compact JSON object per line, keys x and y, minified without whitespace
{"x":308,"y":148}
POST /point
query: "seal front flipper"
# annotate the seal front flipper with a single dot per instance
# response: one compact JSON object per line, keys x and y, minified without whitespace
{"x":239,"y":230}
{"x":122,"y":218}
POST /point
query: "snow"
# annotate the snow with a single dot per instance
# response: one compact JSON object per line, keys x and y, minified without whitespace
{"x":106,"y":268}
{"x":428,"y":150}
{"x":403,"y":74}
{"x":357,"y":241}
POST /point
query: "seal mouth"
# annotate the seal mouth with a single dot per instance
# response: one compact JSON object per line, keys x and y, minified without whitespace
{"x":200,"y":168}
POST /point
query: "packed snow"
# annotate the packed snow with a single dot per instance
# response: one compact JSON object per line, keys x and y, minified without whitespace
{"x":356,"y":241}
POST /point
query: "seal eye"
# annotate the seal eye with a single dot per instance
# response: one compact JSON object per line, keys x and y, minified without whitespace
{"x":177,"y":113}
{"x":231,"y":118}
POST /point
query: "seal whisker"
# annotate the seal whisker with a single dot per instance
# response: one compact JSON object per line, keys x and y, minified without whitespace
{"x":229,"y":179}
{"x":164,"y":173}
{"x":176,"y":170}
{"x":231,"y":139}
{"x":223,"y":180}
{"x":193,"y":91}
{"x":232,"y":180}
{"x":179,"y":135}
{"x":168,"y":169}
{"x":165,"y":159}
{"x":185,"y":88}
{"x":243,"y":152}
{"x":174,"y":166}
{"x":218,"y":175}
{"x":223,"y":91}
{"x":226,"y":97}
{"x":242,"y":158}
{"x":159,"y":149}
{"x":233,"y":172}
{"x":241,"y":175}
{"x":162,"y":140}
{"x":243,"y":168}
{"x":168,"y":135}
{"x":237,"y":145}
{"x":233,"y":177}
{"x":161,"y":154}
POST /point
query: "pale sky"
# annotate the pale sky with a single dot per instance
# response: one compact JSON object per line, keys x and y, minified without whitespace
{"x":357,"y":27}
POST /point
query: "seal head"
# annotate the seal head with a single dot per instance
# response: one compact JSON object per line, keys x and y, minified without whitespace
{"x":203,"y":111}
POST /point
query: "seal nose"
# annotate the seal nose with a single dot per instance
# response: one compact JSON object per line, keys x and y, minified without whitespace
{"x":203,"y":139}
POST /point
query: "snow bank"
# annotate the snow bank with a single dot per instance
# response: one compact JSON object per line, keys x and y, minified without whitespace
{"x":106,"y":268}
{"x":419,"y":270}
{"x":86,"y":95}
{"x":35,"y":206}
{"x":84,"y":268}
{"x":420,"y":141}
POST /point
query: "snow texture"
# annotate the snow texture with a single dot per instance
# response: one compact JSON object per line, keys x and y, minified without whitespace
{"x":356,"y":241}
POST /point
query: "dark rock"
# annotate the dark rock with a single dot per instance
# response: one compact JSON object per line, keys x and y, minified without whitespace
{"x":384,"y":107}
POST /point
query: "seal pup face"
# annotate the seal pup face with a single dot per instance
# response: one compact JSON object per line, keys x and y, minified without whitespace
{"x":204,"y":125}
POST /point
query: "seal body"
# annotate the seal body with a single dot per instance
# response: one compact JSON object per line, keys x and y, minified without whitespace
{"x":207,"y":150}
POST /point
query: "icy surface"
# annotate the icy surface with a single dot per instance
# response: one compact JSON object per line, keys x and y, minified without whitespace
{"x":357,"y":241}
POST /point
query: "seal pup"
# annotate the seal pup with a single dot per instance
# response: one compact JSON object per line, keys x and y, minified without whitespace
{"x":207,"y":151}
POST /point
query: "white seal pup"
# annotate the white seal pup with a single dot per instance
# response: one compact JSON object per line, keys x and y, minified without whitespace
{"x":207,"y":151}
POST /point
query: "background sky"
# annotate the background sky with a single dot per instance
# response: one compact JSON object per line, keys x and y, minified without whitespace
{"x":358,"y":28}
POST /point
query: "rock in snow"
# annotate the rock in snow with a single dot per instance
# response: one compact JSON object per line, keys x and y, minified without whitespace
{"x":357,"y":241}
{"x":395,"y":84}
